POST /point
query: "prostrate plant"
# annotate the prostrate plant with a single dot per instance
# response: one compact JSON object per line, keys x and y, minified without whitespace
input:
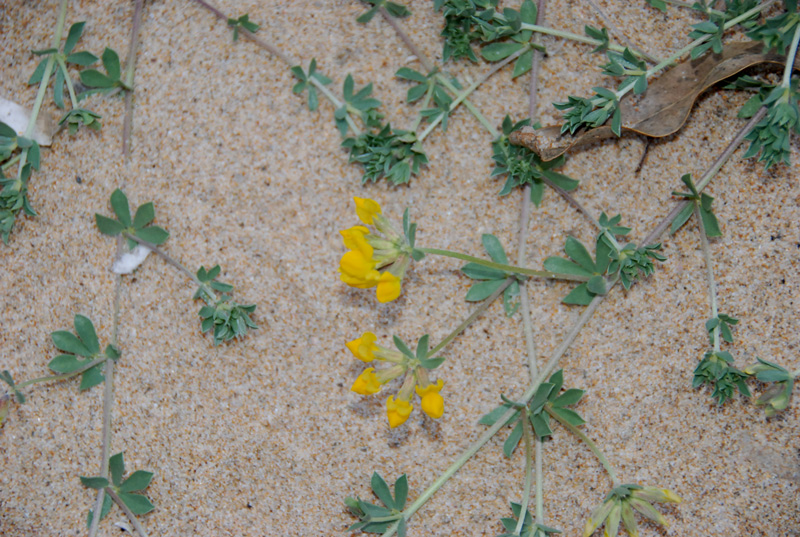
{"x":227,"y":318}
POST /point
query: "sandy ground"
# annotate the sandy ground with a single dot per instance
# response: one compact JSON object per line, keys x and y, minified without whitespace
{"x":262,"y":437}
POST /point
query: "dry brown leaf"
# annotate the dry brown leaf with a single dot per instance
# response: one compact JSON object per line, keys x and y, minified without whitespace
{"x":664,"y":107}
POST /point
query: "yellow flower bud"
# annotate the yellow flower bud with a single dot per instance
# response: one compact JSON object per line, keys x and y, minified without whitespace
{"x":366,"y":209}
{"x":364,"y":347}
{"x":367,"y":383}
{"x":432,"y":402}
{"x":397,"y":411}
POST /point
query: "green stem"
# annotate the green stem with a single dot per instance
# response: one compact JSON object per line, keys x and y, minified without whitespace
{"x":789,"y":69}
{"x":130,"y":69}
{"x":10,"y":162}
{"x":336,"y":102}
{"x":462,"y":95}
{"x":589,"y":443}
{"x":68,"y":79}
{"x":539,"y":481}
{"x":469,"y":320}
{"x":712,"y":288}
{"x":163,"y":255}
{"x":527,"y":436}
{"x":680,"y":3}
{"x":507,"y":268}
{"x":425,"y":102}
{"x":471,"y":107}
{"x":136,"y":524}
{"x":567,"y":35}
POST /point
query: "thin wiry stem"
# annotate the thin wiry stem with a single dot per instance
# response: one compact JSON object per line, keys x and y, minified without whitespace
{"x":130,"y":68}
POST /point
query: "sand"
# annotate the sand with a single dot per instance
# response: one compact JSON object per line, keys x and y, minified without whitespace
{"x":262,"y":436}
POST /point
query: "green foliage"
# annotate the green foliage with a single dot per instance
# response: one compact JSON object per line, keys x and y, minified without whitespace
{"x":524,"y":167}
{"x":467,"y":21}
{"x":580,"y":263}
{"x":78,"y":117}
{"x":723,"y":323}
{"x":490,"y":279}
{"x":547,"y":399}
{"x":394,"y":9}
{"x":582,"y":113}
{"x":138,"y":226}
{"x":125,"y":489}
{"x":391,"y":154}
{"x":6,"y":377}
{"x":779,"y":394}
{"x":242,"y":22}
{"x":777,"y":33}
{"x":658,"y":4}
{"x":716,"y":369}
{"x":359,"y":103}
{"x":377,"y":519}
{"x":629,"y":66}
{"x":81,"y":353}
{"x":771,"y":136}
{"x":421,"y":354}
{"x":104,"y":83}
{"x":227,"y":318}
{"x":306,"y":82}
{"x":600,"y":35}
{"x":529,"y":528}
{"x":702,"y":202}
{"x":410,"y":232}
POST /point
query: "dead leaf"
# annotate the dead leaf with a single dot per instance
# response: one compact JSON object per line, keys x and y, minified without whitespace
{"x":664,"y":107}
{"x":17,"y":118}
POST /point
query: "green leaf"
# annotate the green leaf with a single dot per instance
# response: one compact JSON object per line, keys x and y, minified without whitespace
{"x":91,"y":377}
{"x":563,"y":266}
{"x":491,"y":418}
{"x":482,"y":272}
{"x":96,"y":483}
{"x":682,"y":217}
{"x":119,"y":203}
{"x":85,"y":330}
{"x":68,"y":342}
{"x":107,"y":226}
{"x":138,"y":480}
{"x":523,"y":64}
{"x":152,"y":234}
{"x":73,"y":36}
{"x":494,"y":248}
{"x":116,"y":465}
{"x":111,"y":63}
{"x":400,"y":492}
{"x":569,"y":397}
{"x":410,"y":74}
{"x":580,"y":296}
{"x":144,"y":215}
{"x":579,"y":254}
{"x":513,"y":440}
{"x":137,"y":503}
{"x":499,"y":51}
{"x":66,"y":363}
{"x":402,"y":347}
{"x":483,"y":290}
{"x":422,"y":347}
{"x":541,"y":425}
{"x":570,"y":416}
{"x":58,"y":88}
{"x":381,"y":490}
{"x":82,"y":58}
{"x":541,"y":397}
{"x":431,"y":363}
{"x":38,"y":73}
{"x":103,"y":511}
{"x":95,"y":79}
{"x":597,"y":285}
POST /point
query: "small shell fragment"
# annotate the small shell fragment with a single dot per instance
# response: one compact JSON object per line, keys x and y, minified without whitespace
{"x":17,"y":118}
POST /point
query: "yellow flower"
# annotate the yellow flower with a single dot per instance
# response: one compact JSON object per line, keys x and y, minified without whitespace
{"x":366,"y":209}
{"x":388,"y":287}
{"x":354,"y":239}
{"x":367,"y":383}
{"x":358,"y":270}
{"x":397,"y":411}
{"x":432,"y":402}
{"x":364,"y":347}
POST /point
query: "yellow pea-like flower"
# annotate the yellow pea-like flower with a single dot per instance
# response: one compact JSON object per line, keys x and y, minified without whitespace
{"x":367,"y":383}
{"x":397,"y":411}
{"x":358,"y":270}
{"x":364,"y":347}
{"x":388,"y":287}
{"x":432,"y":401}
{"x":366,"y":209}
{"x":354,"y":239}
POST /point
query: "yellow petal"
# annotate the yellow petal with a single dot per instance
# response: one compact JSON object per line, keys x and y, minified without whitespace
{"x":366,"y":209}
{"x":366,"y":383}
{"x":363,"y":347}
{"x":388,"y":287}
{"x":358,"y":271}
{"x":397,"y":411}
{"x":432,"y":402}
{"x":354,"y":239}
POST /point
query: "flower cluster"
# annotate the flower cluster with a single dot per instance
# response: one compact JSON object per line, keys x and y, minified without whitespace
{"x":370,"y":252}
{"x":401,"y":363}
{"x":620,"y":504}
